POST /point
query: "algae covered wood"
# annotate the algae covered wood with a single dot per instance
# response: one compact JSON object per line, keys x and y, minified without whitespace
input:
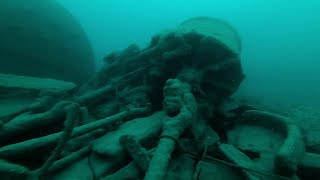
{"x":15,"y":82}
{"x":144,"y":129}
{"x":19,"y":94}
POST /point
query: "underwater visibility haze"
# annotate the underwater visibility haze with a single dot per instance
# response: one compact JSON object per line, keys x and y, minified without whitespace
{"x":170,"y":89}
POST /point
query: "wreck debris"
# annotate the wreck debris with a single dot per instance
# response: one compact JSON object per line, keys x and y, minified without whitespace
{"x":292,"y":150}
{"x":69,"y":159}
{"x":180,"y":106}
{"x":19,"y":83}
{"x":309,"y":166}
{"x":40,"y":103}
{"x":37,"y":94}
{"x":137,"y":152}
{"x":216,"y":66}
{"x":9,"y":170}
{"x":144,"y":129}
{"x":290,"y":153}
{"x":160,"y":106}
{"x":91,"y":98}
{"x":130,"y":171}
{"x":42,"y":142}
{"x":239,"y":159}
{"x":27,"y":121}
{"x":77,"y":143}
{"x":71,"y":118}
